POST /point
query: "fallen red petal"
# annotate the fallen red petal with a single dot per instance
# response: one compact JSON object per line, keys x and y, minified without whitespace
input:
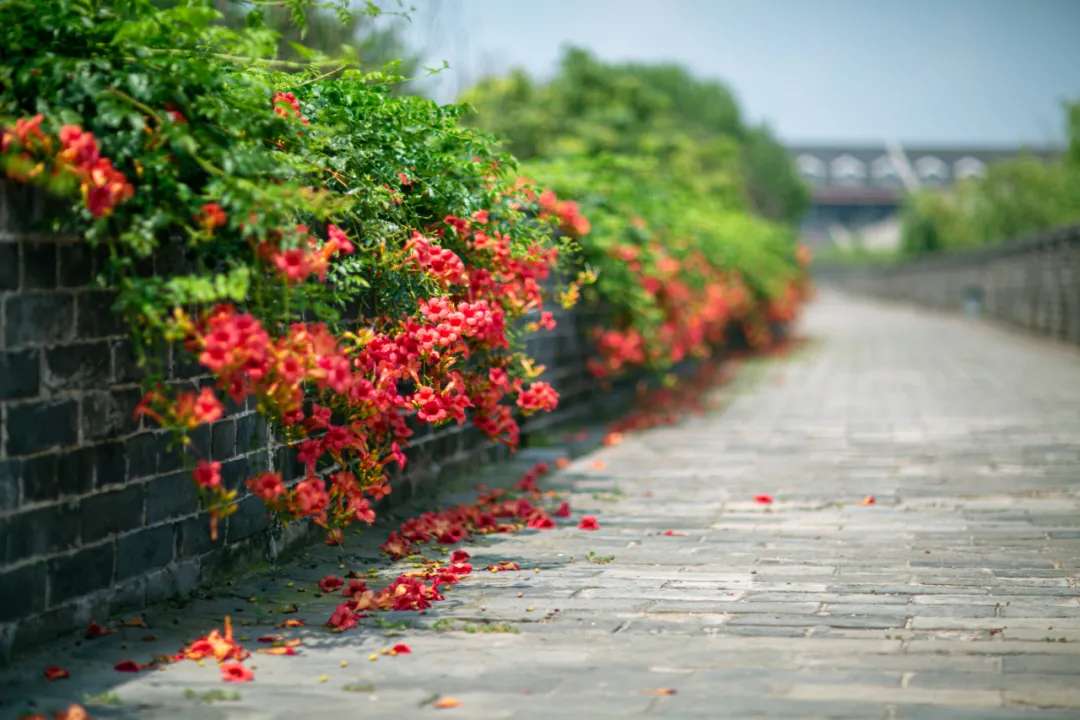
{"x":280,"y":650}
{"x":402,"y":649}
{"x":94,"y":630}
{"x":330,"y":583}
{"x":236,"y":672}
{"x":763,"y":499}
{"x":128,"y":666}
{"x":53,"y":672}
{"x":868,"y":500}
{"x":588,"y":523}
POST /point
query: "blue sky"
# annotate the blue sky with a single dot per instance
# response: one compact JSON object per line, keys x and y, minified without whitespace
{"x":918,"y":71}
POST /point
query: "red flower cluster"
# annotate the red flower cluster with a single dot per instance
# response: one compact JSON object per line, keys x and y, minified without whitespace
{"x":697,"y":298}
{"x":569,"y":216}
{"x":345,"y":400}
{"x":287,"y":106}
{"x":103,"y":187}
{"x":304,"y":255}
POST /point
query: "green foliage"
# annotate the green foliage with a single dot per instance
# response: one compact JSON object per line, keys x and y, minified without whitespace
{"x":667,"y":174}
{"x":775,"y":192}
{"x":693,"y":127}
{"x":1015,"y":198}
{"x":115,"y":68}
{"x":288,"y":189}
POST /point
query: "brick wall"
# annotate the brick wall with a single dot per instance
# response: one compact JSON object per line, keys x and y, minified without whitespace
{"x":1032,"y":283}
{"x":97,"y":515}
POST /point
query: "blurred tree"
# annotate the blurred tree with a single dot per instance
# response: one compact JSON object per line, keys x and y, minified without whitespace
{"x":1016,"y":197}
{"x":776,"y":192}
{"x":353,"y":32}
{"x":693,"y":127}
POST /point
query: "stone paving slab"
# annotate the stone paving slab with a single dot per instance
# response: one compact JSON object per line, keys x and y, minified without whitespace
{"x":954,"y":597}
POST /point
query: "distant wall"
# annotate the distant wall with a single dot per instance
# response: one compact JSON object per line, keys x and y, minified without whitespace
{"x":97,"y":515}
{"x":1033,"y":283}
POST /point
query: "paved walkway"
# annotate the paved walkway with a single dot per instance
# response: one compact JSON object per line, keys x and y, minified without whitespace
{"x":954,"y":596}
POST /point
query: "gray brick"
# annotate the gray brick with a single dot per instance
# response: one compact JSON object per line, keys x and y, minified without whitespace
{"x":96,"y":316}
{"x":20,"y":374}
{"x":171,"y":496}
{"x":72,"y":576}
{"x":75,"y":265}
{"x":78,"y":366}
{"x":108,"y":513}
{"x":39,"y":266}
{"x":107,"y":415}
{"x":37,"y":426}
{"x":38,"y":319}
{"x":145,"y":550}
{"x":22,"y":591}
{"x":9,"y":266}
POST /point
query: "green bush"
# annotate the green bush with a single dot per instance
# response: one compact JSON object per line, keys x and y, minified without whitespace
{"x":668,"y":176}
{"x":320,"y":239}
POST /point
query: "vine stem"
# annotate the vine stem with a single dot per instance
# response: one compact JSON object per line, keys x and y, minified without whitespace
{"x":244,"y":59}
{"x":137,"y":104}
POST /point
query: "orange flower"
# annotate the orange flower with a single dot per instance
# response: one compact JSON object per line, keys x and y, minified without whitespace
{"x":74,"y":712}
{"x":868,"y":500}
{"x":207,"y":408}
{"x":235,"y":672}
{"x":217,"y":646}
{"x":211,"y":216}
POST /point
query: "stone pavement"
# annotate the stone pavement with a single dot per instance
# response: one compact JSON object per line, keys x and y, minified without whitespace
{"x":954,"y":596}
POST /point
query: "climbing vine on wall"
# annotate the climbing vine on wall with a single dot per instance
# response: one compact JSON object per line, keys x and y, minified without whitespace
{"x":353,"y":261}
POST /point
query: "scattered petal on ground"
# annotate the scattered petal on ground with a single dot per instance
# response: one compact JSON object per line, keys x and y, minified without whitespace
{"x":588,"y":523}
{"x":94,"y":630}
{"x":53,"y":672}
{"x":763,"y":499}
{"x":236,"y":672}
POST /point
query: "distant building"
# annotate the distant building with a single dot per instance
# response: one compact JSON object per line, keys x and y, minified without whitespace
{"x":857,"y":190}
